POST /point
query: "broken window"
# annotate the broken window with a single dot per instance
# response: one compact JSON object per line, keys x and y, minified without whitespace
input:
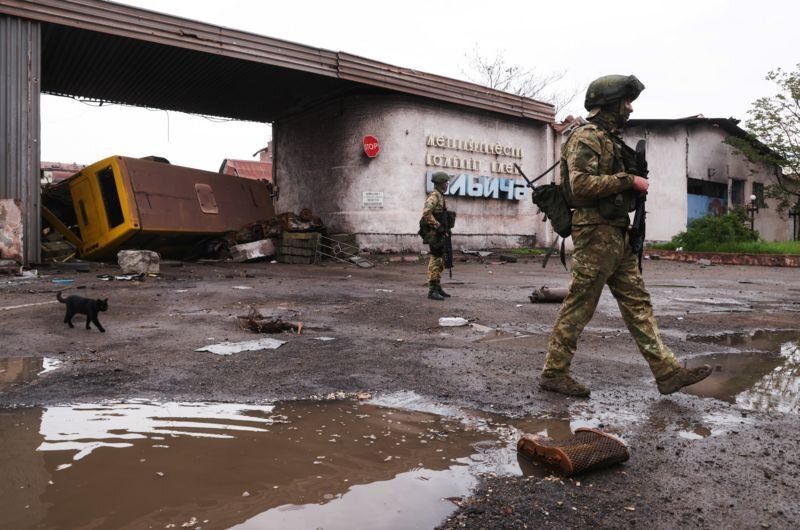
{"x":758,"y":191}
{"x":108,"y":190}
{"x":737,"y":192}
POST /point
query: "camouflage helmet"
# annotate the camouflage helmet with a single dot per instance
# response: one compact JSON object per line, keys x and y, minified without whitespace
{"x":440,"y":177}
{"x":611,"y":88}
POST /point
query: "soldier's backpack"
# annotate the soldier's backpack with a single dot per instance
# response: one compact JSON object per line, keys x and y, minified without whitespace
{"x":550,"y":200}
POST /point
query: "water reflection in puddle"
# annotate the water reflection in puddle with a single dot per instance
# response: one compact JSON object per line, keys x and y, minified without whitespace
{"x":295,"y":465}
{"x":20,"y":370}
{"x":766,"y":377}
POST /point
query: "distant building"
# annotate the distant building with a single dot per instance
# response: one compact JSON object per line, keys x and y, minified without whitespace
{"x":693,"y":173}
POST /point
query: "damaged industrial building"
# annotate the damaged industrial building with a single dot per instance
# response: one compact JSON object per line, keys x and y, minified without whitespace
{"x":354,"y":140}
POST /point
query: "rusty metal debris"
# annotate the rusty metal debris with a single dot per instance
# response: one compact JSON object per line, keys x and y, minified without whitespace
{"x":588,"y":450}
{"x":544,"y":295}
{"x":336,"y":249}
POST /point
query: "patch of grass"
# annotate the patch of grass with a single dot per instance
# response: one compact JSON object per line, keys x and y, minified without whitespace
{"x":740,"y":247}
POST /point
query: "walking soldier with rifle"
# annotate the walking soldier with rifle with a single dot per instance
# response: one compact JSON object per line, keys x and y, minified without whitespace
{"x":602,"y":180}
{"x":435,"y":228}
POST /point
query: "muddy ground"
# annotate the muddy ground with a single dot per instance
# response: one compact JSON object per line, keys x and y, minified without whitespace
{"x":387,"y":338}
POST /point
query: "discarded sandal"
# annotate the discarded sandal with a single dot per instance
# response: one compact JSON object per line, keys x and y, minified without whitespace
{"x":587,"y":450}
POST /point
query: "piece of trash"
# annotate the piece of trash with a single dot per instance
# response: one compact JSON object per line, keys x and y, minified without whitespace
{"x":245,"y":494}
{"x":62,"y":281}
{"x":361,"y":396}
{"x":518,"y":305}
{"x":227,"y":348}
{"x":258,"y":323}
{"x":253,"y":251}
{"x":480,"y":328}
{"x":384,"y":290}
{"x":453,"y":321}
{"x":138,"y":261}
{"x":545,"y":295}
{"x":242,"y":287}
{"x":130,"y":277}
{"x":587,"y":450}
{"x":630,"y":508}
{"x":704,"y":262}
{"x":508,"y":258}
{"x":480,"y":253}
{"x":180,"y":290}
{"x":160,"y":473}
{"x":191,"y":522}
{"x":324,"y":339}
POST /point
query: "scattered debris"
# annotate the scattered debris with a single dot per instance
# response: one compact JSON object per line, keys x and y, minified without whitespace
{"x":324,"y":339}
{"x":384,"y":290}
{"x":122,"y":277}
{"x":242,"y":287}
{"x":258,"y":323}
{"x":545,"y":294}
{"x":9,"y":265}
{"x":480,"y":253}
{"x":480,"y":328}
{"x":138,"y":261}
{"x":227,"y":348}
{"x":453,"y":321}
{"x":11,"y":229}
{"x":704,"y":262}
{"x":256,"y":250}
{"x":62,"y":281}
{"x":508,"y":258}
{"x":10,"y":307}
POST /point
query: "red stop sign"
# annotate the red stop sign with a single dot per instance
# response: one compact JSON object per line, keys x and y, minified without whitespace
{"x":371,"y":147}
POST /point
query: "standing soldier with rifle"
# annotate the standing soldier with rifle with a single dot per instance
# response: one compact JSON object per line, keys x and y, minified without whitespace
{"x":435,"y":227}
{"x":601,"y":181}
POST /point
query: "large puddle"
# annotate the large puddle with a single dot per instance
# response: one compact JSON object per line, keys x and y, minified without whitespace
{"x":331,"y":464}
{"x":22,"y":370}
{"x":763,"y":376}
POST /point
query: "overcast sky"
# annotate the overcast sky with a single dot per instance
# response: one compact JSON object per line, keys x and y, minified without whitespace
{"x":695,"y":57}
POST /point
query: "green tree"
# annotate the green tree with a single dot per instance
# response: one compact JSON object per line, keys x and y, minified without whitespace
{"x":774,"y":137}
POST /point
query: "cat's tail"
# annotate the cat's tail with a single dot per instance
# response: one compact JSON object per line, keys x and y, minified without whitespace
{"x":58,"y":297}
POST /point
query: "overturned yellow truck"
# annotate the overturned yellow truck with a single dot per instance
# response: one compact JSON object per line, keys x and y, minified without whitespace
{"x":122,"y":202}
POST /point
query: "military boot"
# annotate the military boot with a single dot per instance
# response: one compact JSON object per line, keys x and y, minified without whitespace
{"x":563,"y":384}
{"x":441,"y":291}
{"x":433,"y":292}
{"x":683,"y":377}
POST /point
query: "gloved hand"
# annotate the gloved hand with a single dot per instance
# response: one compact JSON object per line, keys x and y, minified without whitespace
{"x":441,"y":229}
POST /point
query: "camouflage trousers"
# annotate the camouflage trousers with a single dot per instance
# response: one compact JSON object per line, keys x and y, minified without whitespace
{"x":603,"y":256}
{"x":435,"y":268}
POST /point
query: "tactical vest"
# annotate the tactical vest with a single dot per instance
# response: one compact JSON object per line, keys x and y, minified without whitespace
{"x":617,"y":158}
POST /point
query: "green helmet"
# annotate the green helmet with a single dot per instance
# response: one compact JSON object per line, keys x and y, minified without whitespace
{"x":611,"y":88}
{"x":440,"y":177}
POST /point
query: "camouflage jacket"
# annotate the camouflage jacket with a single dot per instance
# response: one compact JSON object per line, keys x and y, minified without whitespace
{"x":434,"y":205}
{"x":593,"y":170}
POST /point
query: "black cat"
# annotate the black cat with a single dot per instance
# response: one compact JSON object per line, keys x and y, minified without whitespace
{"x":84,"y":306}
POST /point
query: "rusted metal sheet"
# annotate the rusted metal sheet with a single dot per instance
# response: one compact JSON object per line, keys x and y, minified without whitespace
{"x":248,"y":169}
{"x":118,"y":40}
{"x":20,"y":71}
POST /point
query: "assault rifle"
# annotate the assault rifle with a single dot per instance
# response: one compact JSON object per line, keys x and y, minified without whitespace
{"x":550,"y":200}
{"x":637,"y":230}
{"x":447,"y":242}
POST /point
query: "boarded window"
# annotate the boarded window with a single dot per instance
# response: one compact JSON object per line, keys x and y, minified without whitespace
{"x":108,"y":190}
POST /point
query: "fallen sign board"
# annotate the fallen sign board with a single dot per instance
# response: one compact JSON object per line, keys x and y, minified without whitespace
{"x":227,"y":348}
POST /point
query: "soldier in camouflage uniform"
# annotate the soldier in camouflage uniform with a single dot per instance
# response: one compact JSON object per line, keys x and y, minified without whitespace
{"x":435,"y":204}
{"x":602,"y":190}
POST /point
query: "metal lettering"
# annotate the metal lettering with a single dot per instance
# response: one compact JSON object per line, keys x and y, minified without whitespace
{"x":520,"y":190}
{"x":507,"y":187}
{"x":440,"y":141}
{"x":458,"y":185}
{"x":431,"y":141}
{"x":475,"y":186}
{"x":491,"y":188}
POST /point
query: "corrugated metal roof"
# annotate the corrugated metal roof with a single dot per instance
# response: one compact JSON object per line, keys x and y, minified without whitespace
{"x":249,"y":169}
{"x":124,"y":54}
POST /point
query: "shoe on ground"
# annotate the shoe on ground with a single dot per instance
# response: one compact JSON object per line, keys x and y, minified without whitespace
{"x":434,"y":295}
{"x":563,"y":384}
{"x":441,"y":292}
{"x":683,"y":377}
